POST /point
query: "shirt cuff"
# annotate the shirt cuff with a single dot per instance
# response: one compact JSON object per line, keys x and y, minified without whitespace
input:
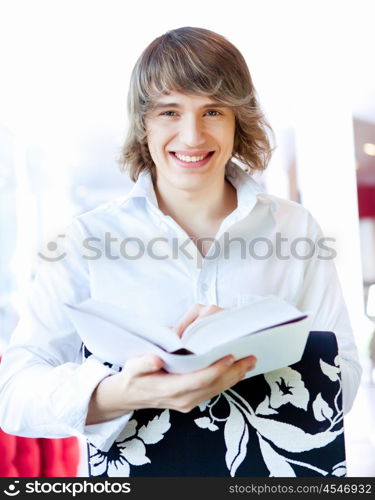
{"x":103,"y":435}
{"x":71,"y":407}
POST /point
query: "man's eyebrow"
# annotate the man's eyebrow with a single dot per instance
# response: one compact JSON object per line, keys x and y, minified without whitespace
{"x":165,"y":105}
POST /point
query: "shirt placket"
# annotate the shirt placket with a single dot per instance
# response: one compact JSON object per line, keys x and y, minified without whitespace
{"x":206,"y":283}
{"x":203,"y":271}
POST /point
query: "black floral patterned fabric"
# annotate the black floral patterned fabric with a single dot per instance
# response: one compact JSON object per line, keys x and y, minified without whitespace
{"x":284,"y":423}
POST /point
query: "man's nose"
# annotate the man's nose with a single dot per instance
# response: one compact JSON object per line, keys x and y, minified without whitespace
{"x":192,"y":131}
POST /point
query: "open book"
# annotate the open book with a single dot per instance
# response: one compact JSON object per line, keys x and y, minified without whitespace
{"x":269,"y":328}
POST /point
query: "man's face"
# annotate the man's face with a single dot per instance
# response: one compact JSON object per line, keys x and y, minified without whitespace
{"x":190,"y":139}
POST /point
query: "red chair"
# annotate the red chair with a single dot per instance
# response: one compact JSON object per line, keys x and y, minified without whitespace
{"x":32,"y":457}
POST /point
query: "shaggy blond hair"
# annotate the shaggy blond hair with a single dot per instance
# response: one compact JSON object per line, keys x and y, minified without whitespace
{"x":195,"y":61}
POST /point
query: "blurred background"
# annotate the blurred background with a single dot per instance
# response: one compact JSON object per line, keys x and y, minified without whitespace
{"x":65,"y":69}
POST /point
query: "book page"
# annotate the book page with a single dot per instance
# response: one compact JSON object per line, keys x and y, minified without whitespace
{"x":274,"y":348}
{"x":218,"y":328}
{"x":95,"y":322}
{"x":108,"y":342}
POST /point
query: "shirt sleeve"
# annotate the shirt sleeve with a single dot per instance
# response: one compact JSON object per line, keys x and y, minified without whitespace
{"x":45,"y":388}
{"x":322,"y":295}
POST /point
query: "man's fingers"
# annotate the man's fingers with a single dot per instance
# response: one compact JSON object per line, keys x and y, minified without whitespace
{"x":205,"y":377}
{"x":229,"y":369}
{"x":249,"y":362}
{"x":200,"y":380}
{"x":187,"y":318}
{"x":208,"y":310}
{"x":196,"y":311}
{"x":141,"y":365}
{"x":216,"y":378}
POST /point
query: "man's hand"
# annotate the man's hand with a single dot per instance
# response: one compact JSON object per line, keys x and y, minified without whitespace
{"x":196,"y":311}
{"x":143,"y":384}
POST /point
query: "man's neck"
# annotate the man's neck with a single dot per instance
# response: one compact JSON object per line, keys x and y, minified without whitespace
{"x":199,"y":213}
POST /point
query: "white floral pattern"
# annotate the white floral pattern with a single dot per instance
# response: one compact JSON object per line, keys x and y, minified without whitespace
{"x":286,"y":386}
{"x":129,"y":448}
{"x":277,"y":439}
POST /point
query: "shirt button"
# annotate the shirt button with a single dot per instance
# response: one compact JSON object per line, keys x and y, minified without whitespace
{"x":204,"y":287}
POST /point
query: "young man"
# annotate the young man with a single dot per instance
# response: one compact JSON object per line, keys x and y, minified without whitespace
{"x":192,"y":109}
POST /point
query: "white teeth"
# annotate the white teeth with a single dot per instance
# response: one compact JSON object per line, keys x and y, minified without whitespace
{"x":190,"y":158}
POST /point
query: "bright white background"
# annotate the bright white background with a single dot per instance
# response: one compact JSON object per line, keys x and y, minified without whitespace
{"x":65,"y":67}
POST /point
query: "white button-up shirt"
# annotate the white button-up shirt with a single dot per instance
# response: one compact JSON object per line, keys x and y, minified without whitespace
{"x":128,"y":253}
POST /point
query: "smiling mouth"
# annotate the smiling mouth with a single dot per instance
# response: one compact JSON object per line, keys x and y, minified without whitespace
{"x":191,"y":158}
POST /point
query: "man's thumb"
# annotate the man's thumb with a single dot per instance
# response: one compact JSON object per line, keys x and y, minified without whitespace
{"x":140,"y":365}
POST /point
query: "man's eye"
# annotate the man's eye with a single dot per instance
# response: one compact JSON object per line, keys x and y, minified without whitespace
{"x":169,"y":113}
{"x":213,"y":112}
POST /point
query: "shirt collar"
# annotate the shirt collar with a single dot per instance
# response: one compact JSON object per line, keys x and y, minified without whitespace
{"x":144,"y":188}
{"x":248,"y":191}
